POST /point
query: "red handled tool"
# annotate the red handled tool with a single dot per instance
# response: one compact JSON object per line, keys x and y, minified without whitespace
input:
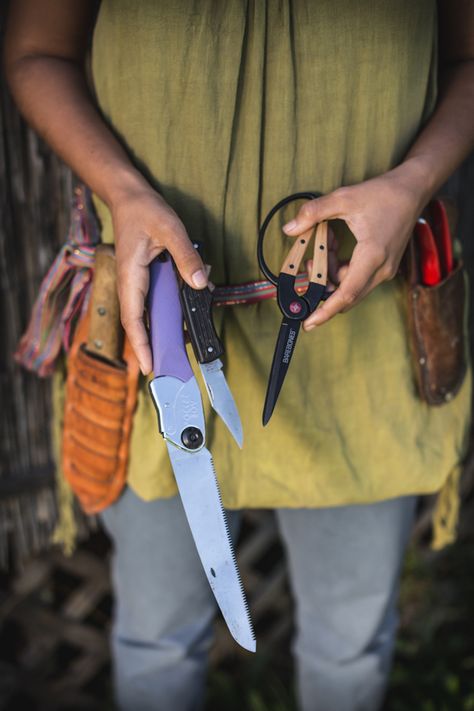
{"x":427,"y":251}
{"x":442,"y":234}
{"x":434,"y":246}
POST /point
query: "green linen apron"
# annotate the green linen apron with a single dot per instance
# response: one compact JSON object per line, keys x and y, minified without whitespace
{"x":228,"y":107}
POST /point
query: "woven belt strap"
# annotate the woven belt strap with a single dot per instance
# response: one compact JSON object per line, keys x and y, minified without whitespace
{"x":252,"y":291}
{"x":64,"y":292}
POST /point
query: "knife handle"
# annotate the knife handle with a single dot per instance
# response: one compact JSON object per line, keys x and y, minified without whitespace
{"x":166,"y":321}
{"x":105,"y":338}
{"x":197,"y":310}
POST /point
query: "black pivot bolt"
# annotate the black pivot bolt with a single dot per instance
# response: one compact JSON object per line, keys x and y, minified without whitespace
{"x":192,"y":437}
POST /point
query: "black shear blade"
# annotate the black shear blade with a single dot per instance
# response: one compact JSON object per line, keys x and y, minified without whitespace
{"x":284,"y":348}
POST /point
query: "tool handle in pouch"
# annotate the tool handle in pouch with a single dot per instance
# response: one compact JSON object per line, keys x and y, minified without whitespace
{"x":197,"y":310}
{"x":166,"y":321}
{"x":105,"y":337}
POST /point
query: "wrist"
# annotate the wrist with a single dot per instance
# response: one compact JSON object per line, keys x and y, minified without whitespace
{"x":125,"y":183}
{"x":417,"y":175}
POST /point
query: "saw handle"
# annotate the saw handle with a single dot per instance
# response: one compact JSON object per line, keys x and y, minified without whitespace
{"x":166,"y":321}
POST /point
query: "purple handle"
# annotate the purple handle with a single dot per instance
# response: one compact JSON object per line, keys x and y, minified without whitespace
{"x":166,"y":322}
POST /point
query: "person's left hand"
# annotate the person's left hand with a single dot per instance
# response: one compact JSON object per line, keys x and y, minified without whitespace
{"x":380,"y":213}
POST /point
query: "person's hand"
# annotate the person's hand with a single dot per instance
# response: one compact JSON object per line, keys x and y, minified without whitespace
{"x":145,"y":225}
{"x":380,"y":213}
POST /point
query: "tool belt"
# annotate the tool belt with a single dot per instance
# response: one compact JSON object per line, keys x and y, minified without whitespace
{"x":101,"y":394}
{"x":436,"y":317}
{"x":102,"y":381}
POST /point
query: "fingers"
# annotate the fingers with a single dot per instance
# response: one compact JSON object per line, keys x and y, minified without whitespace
{"x":186,"y":257}
{"x":133,"y":281}
{"x":333,"y":259}
{"x":358,"y":280}
{"x":144,"y":226}
{"x":327,"y":207}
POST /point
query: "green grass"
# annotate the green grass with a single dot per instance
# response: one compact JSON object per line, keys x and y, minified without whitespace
{"x":262,"y":683}
{"x":434,"y":662}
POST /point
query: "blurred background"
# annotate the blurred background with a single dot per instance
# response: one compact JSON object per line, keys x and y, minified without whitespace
{"x":55,"y":610}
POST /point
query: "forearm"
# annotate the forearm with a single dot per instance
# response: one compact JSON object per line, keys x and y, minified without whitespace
{"x":447,"y":138}
{"x":53,"y":96}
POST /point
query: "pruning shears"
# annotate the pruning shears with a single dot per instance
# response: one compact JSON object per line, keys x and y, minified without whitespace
{"x":294,"y":307}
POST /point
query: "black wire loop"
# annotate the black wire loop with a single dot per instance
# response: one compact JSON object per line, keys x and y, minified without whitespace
{"x":273,"y":278}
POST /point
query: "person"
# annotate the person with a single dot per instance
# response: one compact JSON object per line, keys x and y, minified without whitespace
{"x":204,"y":115}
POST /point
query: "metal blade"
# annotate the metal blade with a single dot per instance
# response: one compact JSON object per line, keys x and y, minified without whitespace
{"x":194,"y":472}
{"x":284,"y":348}
{"x":221,"y":398}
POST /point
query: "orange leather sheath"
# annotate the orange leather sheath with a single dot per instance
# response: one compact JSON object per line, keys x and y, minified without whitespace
{"x":101,"y":396}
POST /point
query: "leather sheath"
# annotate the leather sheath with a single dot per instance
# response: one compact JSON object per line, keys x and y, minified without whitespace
{"x":436,"y":324}
{"x":101,"y":394}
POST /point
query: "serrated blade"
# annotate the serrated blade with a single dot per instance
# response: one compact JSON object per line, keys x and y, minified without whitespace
{"x":221,"y":398}
{"x":197,"y":484}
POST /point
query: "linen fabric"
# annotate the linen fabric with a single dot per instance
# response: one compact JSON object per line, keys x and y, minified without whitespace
{"x":227,"y":108}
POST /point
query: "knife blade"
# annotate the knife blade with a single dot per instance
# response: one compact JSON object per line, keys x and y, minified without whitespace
{"x":208,"y":348}
{"x":221,"y":398}
{"x":177,"y":399}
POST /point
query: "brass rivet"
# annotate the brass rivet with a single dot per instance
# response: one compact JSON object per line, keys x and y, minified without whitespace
{"x":98,"y":344}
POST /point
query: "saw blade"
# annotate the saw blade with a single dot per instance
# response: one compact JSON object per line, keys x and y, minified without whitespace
{"x":197,"y":484}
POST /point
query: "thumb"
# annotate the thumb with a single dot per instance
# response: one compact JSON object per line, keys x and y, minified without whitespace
{"x":327,"y":207}
{"x":188,"y":262}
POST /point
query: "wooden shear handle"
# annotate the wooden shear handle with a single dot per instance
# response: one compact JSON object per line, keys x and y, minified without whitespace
{"x":319,"y":272}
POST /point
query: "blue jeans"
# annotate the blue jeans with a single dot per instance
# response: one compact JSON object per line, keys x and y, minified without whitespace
{"x":344,"y":566}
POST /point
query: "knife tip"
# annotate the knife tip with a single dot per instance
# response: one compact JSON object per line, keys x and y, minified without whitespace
{"x":238,"y":437}
{"x":250,"y":646}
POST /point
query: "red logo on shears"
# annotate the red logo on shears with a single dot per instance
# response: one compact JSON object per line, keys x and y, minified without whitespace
{"x":295,"y":307}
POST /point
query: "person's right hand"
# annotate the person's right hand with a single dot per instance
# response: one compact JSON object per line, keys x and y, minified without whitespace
{"x":145,"y":225}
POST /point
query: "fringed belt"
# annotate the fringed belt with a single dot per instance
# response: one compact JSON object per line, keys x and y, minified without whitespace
{"x":64,"y":292}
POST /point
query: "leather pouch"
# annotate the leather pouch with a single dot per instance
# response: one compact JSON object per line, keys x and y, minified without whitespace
{"x":101,"y":393}
{"x":436,"y":321}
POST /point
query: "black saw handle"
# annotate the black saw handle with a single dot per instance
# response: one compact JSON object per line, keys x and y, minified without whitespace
{"x":197,"y":310}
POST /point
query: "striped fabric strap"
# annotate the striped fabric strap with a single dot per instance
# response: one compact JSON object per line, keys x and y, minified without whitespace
{"x":251,"y":292}
{"x":63,"y":293}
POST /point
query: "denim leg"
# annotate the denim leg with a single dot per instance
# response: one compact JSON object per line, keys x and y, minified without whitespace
{"x":164,"y":608}
{"x":344,"y":564}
